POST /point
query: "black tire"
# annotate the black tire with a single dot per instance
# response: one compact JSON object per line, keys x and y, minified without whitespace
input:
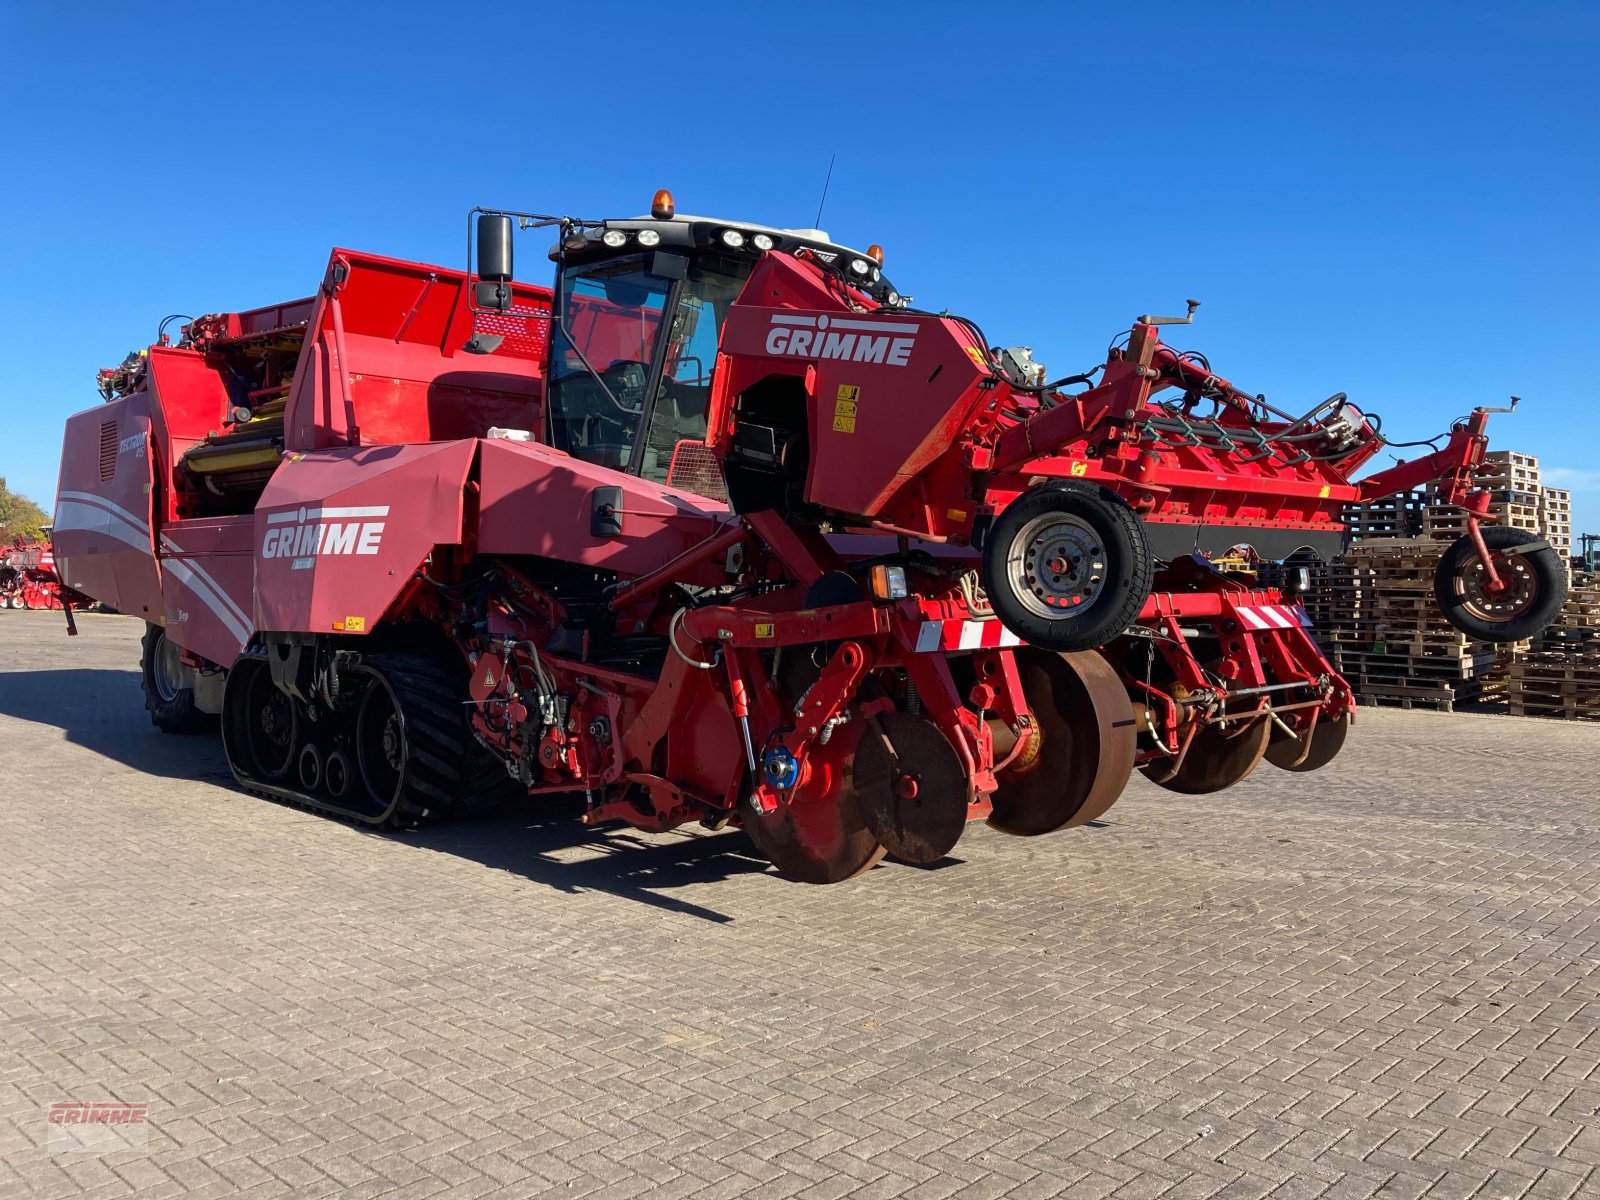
{"x":1537,"y":574}
{"x":1108,"y":569}
{"x":415,"y":756}
{"x":171,"y":706}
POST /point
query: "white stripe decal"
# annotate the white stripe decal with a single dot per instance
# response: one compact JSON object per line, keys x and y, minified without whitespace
{"x":313,"y":514}
{"x":780,"y":319}
{"x":1275,"y":616}
{"x":73,"y":516}
{"x":1007,"y":638}
{"x":134,"y":519}
{"x":910,"y":327}
{"x":186,"y":574}
{"x":971,"y":635}
{"x":203,"y":577}
{"x":1254,"y":618}
{"x":928,"y":636}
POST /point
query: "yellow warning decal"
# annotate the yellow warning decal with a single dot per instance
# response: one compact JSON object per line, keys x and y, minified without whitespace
{"x":976,"y":356}
{"x":1080,"y":468}
{"x":355,"y":624}
{"x":844,"y":416}
{"x":1323,"y":494}
{"x":763,"y":631}
{"x":956,"y":514}
{"x":849,"y":391}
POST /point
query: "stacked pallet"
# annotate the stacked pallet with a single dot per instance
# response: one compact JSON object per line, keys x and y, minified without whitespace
{"x":1555,"y":518}
{"x":1559,"y":674}
{"x":1378,"y":622}
{"x":1396,"y":516}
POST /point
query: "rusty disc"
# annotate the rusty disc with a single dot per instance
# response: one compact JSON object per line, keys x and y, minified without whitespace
{"x":818,"y":835}
{"x":1217,"y":758}
{"x":1086,"y":744}
{"x":914,"y":800}
{"x":1327,"y":739}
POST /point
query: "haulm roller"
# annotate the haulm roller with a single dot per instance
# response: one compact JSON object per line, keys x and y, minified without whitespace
{"x":721,"y":528}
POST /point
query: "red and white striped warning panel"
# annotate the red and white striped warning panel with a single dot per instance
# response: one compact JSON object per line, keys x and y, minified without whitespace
{"x":1273,"y":616}
{"x":964,"y":635}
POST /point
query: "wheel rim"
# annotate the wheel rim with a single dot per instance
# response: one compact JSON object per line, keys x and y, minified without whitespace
{"x":380,"y":744}
{"x":271,"y":726}
{"x":1057,"y":566}
{"x":166,"y":669}
{"x":1518,"y":595}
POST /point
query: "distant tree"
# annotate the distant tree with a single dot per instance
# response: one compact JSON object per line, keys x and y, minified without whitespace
{"x":19,"y":516}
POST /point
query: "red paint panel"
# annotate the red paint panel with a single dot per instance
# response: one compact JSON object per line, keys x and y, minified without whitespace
{"x":339,"y":532}
{"x":537,"y":500}
{"x":102,"y":522}
{"x":207,"y":574}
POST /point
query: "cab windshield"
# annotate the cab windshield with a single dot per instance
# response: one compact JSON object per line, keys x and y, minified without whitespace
{"x":652,"y":344}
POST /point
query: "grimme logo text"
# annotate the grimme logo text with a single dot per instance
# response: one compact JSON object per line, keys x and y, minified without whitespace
{"x":844,"y":338}
{"x":304,"y":534}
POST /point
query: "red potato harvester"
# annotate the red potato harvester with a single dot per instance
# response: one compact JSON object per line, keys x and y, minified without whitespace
{"x":720,"y":528}
{"x":28,"y":578}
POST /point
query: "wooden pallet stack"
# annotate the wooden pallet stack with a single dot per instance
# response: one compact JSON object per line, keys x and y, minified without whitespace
{"x":1555,"y":518}
{"x":1559,"y":674}
{"x":1397,"y":516}
{"x":1513,"y":480}
{"x":1377,"y":620}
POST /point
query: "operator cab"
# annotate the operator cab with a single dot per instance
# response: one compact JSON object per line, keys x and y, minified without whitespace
{"x":641,"y":303}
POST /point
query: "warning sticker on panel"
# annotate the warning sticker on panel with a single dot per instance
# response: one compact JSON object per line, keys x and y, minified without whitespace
{"x":844,"y":408}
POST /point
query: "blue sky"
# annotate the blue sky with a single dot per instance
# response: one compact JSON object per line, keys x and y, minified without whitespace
{"x":1397,"y":201}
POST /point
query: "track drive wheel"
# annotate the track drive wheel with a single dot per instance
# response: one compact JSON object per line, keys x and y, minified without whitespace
{"x":1218,"y":758}
{"x":1084,"y":750}
{"x":1327,"y":739}
{"x":168,"y":686}
{"x":415,"y":758}
{"x":819,"y":836}
{"x":1067,"y":567}
{"x":260,"y":727}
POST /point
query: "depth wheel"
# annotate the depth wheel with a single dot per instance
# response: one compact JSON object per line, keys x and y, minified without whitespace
{"x":1067,"y":567}
{"x":1083,"y":751}
{"x":1534,"y":583}
{"x":1217,"y":759}
{"x":915,"y":799}
{"x":819,"y":836}
{"x":1327,"y":739}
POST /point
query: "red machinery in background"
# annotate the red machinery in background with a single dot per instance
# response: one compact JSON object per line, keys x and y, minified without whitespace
{"x":721,"y":528}
{"x":28,"y":577}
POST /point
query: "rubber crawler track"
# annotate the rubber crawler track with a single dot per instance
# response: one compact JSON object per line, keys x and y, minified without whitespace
{"x":447,"y":774}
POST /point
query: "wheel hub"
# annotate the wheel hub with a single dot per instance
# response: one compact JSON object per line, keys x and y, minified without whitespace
{"x":1058,"y":565}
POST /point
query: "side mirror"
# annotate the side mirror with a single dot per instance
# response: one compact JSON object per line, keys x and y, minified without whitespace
{"x":494,"y":261}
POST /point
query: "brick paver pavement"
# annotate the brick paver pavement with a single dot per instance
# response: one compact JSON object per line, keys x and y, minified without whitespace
{"x":1378,"y":980}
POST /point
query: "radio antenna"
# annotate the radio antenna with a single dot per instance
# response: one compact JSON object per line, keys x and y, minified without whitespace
{"x":817,"y":224}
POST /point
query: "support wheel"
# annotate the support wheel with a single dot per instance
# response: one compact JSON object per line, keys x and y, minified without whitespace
{"x":1067,"y":567}
{"x":168,"y":686}
{"x":1533,"y":588}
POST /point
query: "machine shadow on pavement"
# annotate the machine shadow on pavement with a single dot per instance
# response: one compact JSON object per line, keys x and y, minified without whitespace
{"x":532,"y":839}
{"x":102,"y":711}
